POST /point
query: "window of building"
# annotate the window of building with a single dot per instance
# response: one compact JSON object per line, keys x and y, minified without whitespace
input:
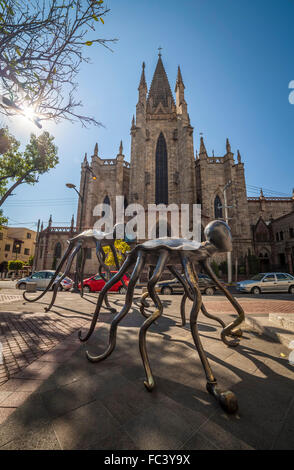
{"x":26,"y":251}
{"x":29,"y":235}
{"x":161,"y":184}
{"x":218,"y":210}
{"x":281,"y":235}
{"x":57,"y":250}
{"x":7,"y":247}
{"x":291,"y":232}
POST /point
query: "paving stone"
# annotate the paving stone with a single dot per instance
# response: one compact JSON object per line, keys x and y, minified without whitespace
{"x":85,"y":427}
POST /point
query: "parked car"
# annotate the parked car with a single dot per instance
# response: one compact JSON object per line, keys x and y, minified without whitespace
{"x":96,"y":284}
{"x":173,"y":286}
{"x":42,"y":279}
{"x":267,"y":282}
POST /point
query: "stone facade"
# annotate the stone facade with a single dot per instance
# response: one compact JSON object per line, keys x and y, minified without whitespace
{"x":164,"y":169}
{"x":16,"y":243}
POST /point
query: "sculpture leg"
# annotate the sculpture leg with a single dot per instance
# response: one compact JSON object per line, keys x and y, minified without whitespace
{"x":58,"y":269}
{"x":116,"y":261}
{"x":67,"y":269}
{"x":183,"y":309}
{"x":144,"y":304}
{"x":213,"y":317}
{"x":128,"y":262}
{"x":186,"y":292}
{"x":231,"y":329}
{"x":128,"y":303}
{"x":226,"y":399}
{"x":81,"y":270}
{"x":101,"y":260}
{"x":149,"y":383}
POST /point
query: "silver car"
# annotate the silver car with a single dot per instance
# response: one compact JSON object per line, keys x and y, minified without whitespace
{"x":267,"y":282}
{"x":42,"y":279}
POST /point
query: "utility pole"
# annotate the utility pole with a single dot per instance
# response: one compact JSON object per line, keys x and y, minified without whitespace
{"x":36,"y":248}
{"x":229,"y":253}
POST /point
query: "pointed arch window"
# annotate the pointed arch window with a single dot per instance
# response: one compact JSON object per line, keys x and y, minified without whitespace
{"x":218,"y":210}
{"x":106,"y":200}
{"x":57,"y":250}
{"x":161,"y":185}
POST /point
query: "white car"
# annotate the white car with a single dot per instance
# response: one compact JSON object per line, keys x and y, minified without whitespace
{"x":42,"y":279}
{"x":267,"y":282}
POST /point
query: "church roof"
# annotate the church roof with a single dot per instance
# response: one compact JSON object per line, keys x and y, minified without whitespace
{"x":160,"y":89}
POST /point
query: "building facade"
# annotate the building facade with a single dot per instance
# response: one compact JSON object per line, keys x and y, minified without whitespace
{"x":16,"y":243}
{"x":164,"y":168}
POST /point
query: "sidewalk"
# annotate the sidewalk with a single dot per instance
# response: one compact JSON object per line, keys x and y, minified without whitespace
{"x":62,"y":401}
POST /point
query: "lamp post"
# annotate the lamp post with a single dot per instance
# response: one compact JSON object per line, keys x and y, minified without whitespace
{"x":229,"y":253}
{"x":75,"y":288}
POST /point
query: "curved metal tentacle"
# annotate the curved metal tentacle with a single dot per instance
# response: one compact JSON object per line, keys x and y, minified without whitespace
{"x":128,"y":262}
{"x":128,"y":303}
{"x":226,"y":399}
{"x":113,"y":249}
{"x":230,"y":329}
{"x":187,"y":293}
{"x":57,"y":284}
{"x":163,"y":257}
{"x":183,"y":308}
{"x":144,"y":304}
{"x":58,"y":269}
{"x":81,"y":270}
{"x":101,"y":260}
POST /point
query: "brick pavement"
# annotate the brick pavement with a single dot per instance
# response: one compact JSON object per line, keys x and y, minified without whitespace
{"x":26,"y":332}
{"x":62,"y":401}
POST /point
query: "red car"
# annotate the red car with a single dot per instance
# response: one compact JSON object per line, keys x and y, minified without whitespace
{"x":96,"y":284}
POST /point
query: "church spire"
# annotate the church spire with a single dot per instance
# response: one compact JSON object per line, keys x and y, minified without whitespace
{"x":143,"y":84}
{"x":179,"y":79}
{"x":228,"y":146}
{"x":96,"y":150}
{"x":202,"y":151}
{"x":120,"y":152}
{"x":160,"y":92}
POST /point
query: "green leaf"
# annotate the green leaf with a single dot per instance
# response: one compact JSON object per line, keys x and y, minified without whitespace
{"x":89,"y":43}
{"x":101,"y":19}
{"x":95,"y":17}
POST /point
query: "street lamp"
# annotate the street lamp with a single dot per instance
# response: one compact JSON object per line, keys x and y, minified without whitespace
{"x":75,"y":288}
{"x":229,"y":253}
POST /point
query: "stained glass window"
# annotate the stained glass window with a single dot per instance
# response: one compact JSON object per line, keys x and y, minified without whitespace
{"x":161,"y":190}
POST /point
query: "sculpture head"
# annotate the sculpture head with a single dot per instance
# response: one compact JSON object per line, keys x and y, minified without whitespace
{"x":218,"y":233}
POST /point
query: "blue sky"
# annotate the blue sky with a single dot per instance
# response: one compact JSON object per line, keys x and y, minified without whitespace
{"x":236,"y":58}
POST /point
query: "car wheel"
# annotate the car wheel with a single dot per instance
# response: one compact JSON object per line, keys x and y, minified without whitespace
{"x":209,"y":291}
{"x":166,"y":291}
{"x":86,"y":289}
{"x":122,"y":290}
{"x":291,"y":290}
{"x":22,"y":286}
{"x":255,"y":290}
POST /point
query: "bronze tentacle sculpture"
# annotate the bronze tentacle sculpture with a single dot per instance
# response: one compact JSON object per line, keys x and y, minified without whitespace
{"x":75,"y":244}
{"x":226,"y":399}
{"x":161,"y":253}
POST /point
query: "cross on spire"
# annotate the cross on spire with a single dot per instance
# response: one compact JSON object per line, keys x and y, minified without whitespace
{"x":159,"y":53}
